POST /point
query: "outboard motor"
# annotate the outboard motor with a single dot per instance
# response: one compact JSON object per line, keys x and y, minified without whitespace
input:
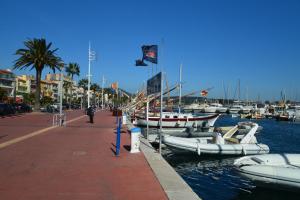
{"x":190,"y":131}
{"x":205,"y":126}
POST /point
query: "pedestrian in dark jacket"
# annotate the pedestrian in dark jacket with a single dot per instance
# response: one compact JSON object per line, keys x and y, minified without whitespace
{"x":90,"y":113}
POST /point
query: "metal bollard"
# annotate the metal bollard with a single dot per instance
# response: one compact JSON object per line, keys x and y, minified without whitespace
{"x":135,"y":140}
{"x":124,"y":118}
{"x":118,"y":142}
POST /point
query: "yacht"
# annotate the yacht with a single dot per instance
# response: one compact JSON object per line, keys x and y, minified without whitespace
{"x":176,"y":120}
{"x":215,"y":108}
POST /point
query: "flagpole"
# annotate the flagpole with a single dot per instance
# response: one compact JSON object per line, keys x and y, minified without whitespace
{"x":89,"y":75}
{"x":152,"y":69}
{"x":161,"y":98}
{"x":180,"y":73}
{"x":102,"y":91}
{"x":61,"y":97}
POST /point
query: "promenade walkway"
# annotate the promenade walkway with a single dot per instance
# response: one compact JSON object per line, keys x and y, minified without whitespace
{"x":73,"y":162}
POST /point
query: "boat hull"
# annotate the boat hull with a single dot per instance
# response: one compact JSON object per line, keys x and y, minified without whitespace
{"x":273,"y":170}
{"x":210,"y":110}
{"x":201,"y":121}
{"x":217,"y":149}
{"x":234,"y":111}
{"x":222,"y":110}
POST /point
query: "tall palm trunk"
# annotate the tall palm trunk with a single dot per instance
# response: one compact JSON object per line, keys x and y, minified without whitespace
{"x":38,"y":90}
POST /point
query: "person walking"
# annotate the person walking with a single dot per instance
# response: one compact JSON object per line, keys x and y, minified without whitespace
{"x":90,"y":113}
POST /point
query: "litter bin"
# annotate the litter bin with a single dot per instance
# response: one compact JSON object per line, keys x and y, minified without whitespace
{"x":135,"y":140}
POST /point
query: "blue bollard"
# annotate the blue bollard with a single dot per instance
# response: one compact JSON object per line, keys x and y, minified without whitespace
{"x":120,"y":124}
{"x":118,"y":142}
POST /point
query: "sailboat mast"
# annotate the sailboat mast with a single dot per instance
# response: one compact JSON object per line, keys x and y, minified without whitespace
{"x":179,"y":104}
{"x":239,"y":90}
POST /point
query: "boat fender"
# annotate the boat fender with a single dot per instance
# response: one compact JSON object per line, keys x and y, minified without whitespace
{"x":198,"y":149}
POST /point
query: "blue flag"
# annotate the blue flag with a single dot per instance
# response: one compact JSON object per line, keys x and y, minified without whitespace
{"x":150,"y":53}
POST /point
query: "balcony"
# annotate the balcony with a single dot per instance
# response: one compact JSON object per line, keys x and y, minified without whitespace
{"x":6,"y":83}
{"x":22,"y":89}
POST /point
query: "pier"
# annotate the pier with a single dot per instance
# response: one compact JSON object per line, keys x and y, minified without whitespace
{"x":39,"y":161}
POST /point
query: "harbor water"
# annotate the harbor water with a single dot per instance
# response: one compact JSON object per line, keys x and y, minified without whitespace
{"x":213,"y":178}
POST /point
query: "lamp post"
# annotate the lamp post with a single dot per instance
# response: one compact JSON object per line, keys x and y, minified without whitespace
{"x":91,"y":58}
{"x":61,"y":97}
{"x":102,"y":92}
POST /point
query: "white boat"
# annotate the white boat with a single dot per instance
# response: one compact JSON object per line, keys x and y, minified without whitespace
{"x":246,"y":109}
{"x":196,"y":107}
{"x":235,"y":109}
{"x":215,"y":108}
{"x":272,"y":170}
{"x":177,"y":120}
{"x":239,"y":140}
{"x":222,"y":109}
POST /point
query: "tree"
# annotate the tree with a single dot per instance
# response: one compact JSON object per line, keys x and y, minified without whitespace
{"x":38,"y":55}
{"x":66,"y":86}
{"x":46,"y":100}
{"x":95,"y":87}
{"x":28,"y":97}
{"x":72,"y":69}
{"x":83,"y":83}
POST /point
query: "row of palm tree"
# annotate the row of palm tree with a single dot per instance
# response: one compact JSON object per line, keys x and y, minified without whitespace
{"x":39,"y":55}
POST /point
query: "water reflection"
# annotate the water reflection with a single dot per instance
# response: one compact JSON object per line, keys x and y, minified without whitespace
{"x":215,"y":178}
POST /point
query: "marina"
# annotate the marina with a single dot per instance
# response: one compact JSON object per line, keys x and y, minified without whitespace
{"x":181,"y":100}
{"x":215,"y":177}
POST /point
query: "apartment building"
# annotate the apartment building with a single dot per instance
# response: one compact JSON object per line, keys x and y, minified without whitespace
{"x":7,"y":82}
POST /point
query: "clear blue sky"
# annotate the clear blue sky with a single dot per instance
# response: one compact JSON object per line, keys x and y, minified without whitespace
{"x":256,"y":41}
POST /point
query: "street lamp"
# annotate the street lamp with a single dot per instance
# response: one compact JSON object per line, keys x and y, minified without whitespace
{"x":61,"y":97}
{"x":102,"y":91}
{"x":92,"y":56}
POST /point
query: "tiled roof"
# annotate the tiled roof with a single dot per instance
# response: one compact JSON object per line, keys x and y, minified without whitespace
{"x":3,"y":71}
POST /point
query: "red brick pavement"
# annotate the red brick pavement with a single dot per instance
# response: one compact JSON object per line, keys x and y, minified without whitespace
{"x":19,"y":125}
{"x":76,"y":162}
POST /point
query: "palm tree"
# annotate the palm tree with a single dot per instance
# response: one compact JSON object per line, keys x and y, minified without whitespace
{"x":38,"y":55}
{"x":83,"y":83}
{"x":72,"y":69}
{"x":95,"y":87}
{"x":67,"y":85}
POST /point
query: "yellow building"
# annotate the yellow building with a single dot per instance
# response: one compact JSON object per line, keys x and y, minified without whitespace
{"x":23,"y":84}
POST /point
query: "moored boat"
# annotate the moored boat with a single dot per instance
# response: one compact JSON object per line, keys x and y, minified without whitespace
{"x":272,"y":170}
{"x":235,"y":109}
{"x":214,"y":108}
{"x":177,"y":120}
{"x":239,"y":140}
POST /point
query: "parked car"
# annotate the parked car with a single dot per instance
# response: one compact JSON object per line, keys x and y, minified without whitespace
{"x":21,"y":107}
{"x":7,"y":109}
{"x":25,"y":107}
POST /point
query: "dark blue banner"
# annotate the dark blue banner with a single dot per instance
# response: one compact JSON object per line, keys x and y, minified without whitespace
{"x":154,"y":84}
